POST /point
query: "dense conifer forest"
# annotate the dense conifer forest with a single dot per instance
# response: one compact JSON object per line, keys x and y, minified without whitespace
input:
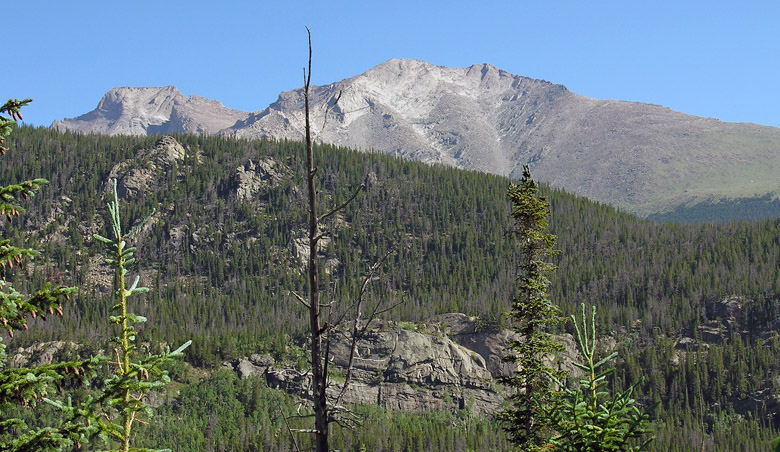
{"x":221,"y":269}
{"x":723,"y":210}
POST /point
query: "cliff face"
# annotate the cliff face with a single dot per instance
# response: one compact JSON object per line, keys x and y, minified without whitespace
{"x":454,"y":363}
{"x":399,"y":366}
{"x":447,"y":364}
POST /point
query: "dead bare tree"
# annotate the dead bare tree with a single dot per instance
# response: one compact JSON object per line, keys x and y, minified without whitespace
{"x":327,"y":320}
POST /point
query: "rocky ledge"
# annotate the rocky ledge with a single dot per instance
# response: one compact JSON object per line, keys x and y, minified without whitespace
{"x":405,"y":366}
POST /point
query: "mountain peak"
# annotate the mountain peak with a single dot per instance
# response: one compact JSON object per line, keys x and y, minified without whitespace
{"x":146,"y":110}
{"x":401,"y":65}
{"x":129,"y":95}
{"x":644,"y":158}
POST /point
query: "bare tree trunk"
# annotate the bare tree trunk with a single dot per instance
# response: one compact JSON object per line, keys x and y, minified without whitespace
{"x":318,"y":372}
{"x":321,"y":332}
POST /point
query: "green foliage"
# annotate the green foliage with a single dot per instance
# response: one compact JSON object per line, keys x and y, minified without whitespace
{"x":534,"y":316}
{"x":581,"y":419}
{"x":11,"y":108}
{"x":122,"y":398}
{"x":656,"y":283}
{"x":223,"y":412}
{"x":26,"y":387}
{"x":587,"y":417}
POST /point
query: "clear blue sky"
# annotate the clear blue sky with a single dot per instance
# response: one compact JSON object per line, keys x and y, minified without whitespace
{"x":710,"y":58}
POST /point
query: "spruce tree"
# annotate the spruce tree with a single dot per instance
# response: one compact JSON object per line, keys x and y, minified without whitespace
{"x":588,"y":417}
{"x":28,"y":386}
{"x":134,"y":377}
{"x":533,"y":315}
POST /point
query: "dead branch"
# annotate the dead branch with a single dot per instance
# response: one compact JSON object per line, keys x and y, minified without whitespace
{"x":357,"y":331}
{"x":321,"y":235}
{"x":292,"y":437}
{"x":344,"y":204}
{"x":389,"y":308}
{"x":370,"y":275}
{"x":300,"y":298}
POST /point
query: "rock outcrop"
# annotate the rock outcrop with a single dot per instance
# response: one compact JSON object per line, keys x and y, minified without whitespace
{"x":451,"y":363}
{"x":140,"y":174}
{"x":255,"y":176}
{"x":41,"y":353}
{"x":399,"y":366}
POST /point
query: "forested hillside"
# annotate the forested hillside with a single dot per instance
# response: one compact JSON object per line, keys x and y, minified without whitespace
{"x":693,"y":309}
{"x":724,"y":210}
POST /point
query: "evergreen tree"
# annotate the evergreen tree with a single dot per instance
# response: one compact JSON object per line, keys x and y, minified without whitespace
{"x":587,"y":418}
{"x":26,"y":387}
{"x":655,"y":283}
{"x":133,"y":378}
{"x":534,"y":315}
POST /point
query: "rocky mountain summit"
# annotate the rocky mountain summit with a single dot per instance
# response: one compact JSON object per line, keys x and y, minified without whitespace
{"x":640,"y":157}
{"x":149,"y":111}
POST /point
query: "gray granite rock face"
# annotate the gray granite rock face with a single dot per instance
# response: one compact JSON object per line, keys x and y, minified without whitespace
{"x":398,"y":367}
{"x":254,"y":176}
{"x":142,"y":173}
{"x":148,"y":111}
